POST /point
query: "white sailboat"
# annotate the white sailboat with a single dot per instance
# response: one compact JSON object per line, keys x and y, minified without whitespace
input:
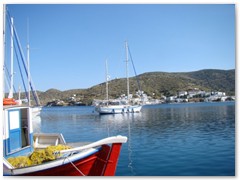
{"x":120,"y":105}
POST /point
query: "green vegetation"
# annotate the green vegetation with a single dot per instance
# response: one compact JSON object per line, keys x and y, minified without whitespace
{"x":155,"y":84}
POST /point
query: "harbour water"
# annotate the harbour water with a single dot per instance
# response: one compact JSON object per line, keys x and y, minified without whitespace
{"x":194,"y":139}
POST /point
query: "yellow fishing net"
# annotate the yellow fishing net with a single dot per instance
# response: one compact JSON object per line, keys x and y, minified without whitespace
{"x":38,"y":156}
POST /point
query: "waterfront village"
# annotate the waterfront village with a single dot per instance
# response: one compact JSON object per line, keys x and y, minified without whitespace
{"x":140,"y":97}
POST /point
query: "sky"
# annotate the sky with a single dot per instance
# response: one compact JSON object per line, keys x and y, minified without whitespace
{"x":69,"y":44}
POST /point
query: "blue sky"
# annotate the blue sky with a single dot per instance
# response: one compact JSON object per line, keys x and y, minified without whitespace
{"x":70,"y":43}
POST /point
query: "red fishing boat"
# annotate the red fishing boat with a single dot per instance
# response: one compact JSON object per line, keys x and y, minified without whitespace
{"x":99,"y":158}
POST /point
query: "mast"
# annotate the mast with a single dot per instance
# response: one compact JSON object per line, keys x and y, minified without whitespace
{"x":28,"y":67}
{"x":28,"y":74}
{"x":106,"y":64}
{"x":126,"y":44}
{"x":10,"y":95}
{"x":4,"y":44}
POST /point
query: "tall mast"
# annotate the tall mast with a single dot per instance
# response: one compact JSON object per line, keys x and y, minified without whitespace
{"x":28,"y":74}
{"x":126,"y":44}
{"x":28,"y":66}
{"x":106,"y":79}
{"x":4,"y":44}
{"x":10,"y":95}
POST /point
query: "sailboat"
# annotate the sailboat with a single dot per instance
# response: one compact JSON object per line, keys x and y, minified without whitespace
{"x":120,"y":105}
{"x":26,"y":153}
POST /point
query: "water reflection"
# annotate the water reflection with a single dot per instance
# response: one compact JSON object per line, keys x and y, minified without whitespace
{"x":171,"y":139}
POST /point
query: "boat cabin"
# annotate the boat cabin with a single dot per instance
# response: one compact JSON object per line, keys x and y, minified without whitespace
{"x":17,"y":131}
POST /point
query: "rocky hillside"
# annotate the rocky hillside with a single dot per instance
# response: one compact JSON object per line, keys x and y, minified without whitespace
{"x":159,"y":83}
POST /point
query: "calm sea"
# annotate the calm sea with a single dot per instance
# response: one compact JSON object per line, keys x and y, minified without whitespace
{"x":196,"y":139}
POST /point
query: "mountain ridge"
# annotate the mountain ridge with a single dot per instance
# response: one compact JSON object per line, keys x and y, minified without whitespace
{"x":157,"y":83}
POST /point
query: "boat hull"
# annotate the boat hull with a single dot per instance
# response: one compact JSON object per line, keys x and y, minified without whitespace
{"x":118,"y":109}
{"x":100,"y":163}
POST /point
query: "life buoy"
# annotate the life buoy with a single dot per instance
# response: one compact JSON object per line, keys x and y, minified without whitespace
{"x":9,"y":101}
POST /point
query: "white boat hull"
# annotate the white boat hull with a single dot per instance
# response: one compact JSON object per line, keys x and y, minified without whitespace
{"x":118,"y":109}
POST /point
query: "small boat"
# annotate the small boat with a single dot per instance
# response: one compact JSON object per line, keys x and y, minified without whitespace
{"x":121,"y":105}
{"x":99,"y":158}
{"x":24,"y":152}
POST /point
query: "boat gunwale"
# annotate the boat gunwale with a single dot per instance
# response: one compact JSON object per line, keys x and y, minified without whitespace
{"x":55,"y":163}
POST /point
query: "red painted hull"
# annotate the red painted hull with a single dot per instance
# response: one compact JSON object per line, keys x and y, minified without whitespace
{"x":101,"y":163}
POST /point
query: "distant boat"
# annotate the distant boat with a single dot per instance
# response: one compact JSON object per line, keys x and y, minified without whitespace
{"x":24,"y":152}
{"x":121,"y":105}
{"x":117,"y":107}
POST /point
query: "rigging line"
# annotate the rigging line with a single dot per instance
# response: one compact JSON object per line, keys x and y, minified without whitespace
{"x":17,"y":40}
{"x":25,"y":68}
{"x":134,"y":70}
{"x":20,"y":71}
{"x":17,"y":53}
{"x":34,"y":95}
{"x":22,"y":57}
{"x":5,"y":67}
{"x":75,"y":167}
{"x":35,"y":92}
{"x":107,"y":160}
{"x":7,"y":78}
{"x":7,"y":75}
{"x":7,"y":82}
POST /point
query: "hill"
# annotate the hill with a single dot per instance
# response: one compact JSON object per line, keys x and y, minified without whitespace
{"x":159,"y":83}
